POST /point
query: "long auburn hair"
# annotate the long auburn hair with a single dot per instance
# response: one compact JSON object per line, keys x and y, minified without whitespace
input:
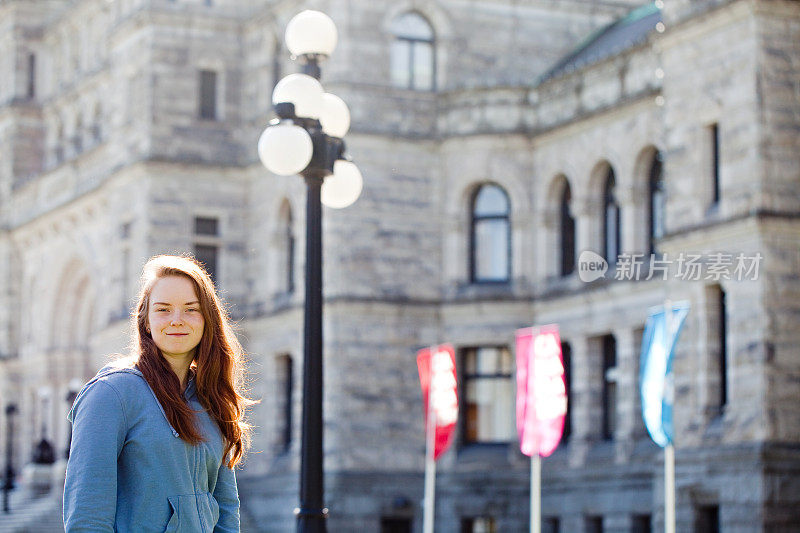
{"x":218,"y":361}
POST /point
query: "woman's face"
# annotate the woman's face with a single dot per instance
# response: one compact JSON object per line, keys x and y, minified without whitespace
{"x":174,"y":317}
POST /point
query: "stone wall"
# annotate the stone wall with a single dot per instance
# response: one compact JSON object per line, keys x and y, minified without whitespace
{"x":110,"y":163}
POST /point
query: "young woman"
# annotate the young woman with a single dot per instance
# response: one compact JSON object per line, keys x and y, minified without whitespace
{"x":156,"y":435}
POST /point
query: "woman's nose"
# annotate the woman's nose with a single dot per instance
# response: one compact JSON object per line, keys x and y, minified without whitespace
{"x":176,"y":318}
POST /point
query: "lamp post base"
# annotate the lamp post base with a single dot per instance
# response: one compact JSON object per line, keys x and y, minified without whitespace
{"x":311,"y":520}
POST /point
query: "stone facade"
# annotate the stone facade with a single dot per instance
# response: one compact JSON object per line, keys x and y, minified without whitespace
{"x":105,"y":161}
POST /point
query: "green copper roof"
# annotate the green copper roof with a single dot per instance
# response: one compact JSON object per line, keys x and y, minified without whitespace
{"x":620,"y":35}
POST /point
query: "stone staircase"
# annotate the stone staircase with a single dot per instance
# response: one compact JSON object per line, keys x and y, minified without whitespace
{"x":37,"y":515}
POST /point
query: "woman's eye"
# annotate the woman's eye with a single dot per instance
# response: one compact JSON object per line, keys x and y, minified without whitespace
{"x":161,"y":310}
{"x":195,"y":310}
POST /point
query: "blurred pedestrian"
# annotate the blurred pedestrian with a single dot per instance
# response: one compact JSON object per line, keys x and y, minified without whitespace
{"x":156,"y":435}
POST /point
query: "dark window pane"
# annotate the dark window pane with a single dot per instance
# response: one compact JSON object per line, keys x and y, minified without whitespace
{"x":206,"y":226}
{"x":566,"y":354}
{"x":658,"y":201}
{"x":567,"y":224}
{"x":708,"y":519}
{"x":31,"y":75}
{"x":290,"y":265}
{"x":723,"y":349}
{"x":609,"y":387}
{"x":612,"y":233}
{"x":285,"y":379}
{"x":289,"y":250}
{"x":489,"y":395}
{"x":594,"y":524}
{"x":611,"y":221}
{"x":208,"y":94}
{"x":395,"y":525}
{"x":551,"y":525}
{"x":207,"y":255}
{"x":715,"y":141}
{"x":641,"y":524}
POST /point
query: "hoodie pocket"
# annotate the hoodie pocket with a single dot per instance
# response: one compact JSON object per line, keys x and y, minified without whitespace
{"x":214,"y":509}
{"x":174,"y":524}
{"x":193,"y":513}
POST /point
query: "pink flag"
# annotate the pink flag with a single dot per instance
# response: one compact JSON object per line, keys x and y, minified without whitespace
{"x":541,"y":390}
{"x":437,"y":375}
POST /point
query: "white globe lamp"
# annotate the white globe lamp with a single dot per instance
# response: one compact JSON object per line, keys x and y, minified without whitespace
{"x":343,"y":187}
{"x":335,"y":116}
{"x":285,"y":149}
{"x":311,"y":32}
{"x":301,"y":90}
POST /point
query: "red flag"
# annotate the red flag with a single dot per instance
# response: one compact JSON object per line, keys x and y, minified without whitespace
{"x":437,"y":375}
{"x":541,"y":390}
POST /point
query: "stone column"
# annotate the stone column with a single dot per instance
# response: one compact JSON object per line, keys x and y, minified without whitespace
{"x":588,"y":228}
{"x":633,"y":203}
{"x":627,"y":394}
{"x":586,"y":404}
{"x":548,"y":249}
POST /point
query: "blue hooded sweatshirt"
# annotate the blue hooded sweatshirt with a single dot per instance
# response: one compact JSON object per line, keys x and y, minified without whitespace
{"x":130,"y":472}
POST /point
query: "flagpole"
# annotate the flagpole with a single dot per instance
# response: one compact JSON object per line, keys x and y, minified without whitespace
{"x":669,"y":450}
{"x":536,"y":493}
{"x":536,"y":459}
{"x":669,"y":488}
{"x":430,"y":463}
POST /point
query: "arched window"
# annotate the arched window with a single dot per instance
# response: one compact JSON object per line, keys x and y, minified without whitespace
{"x":611,"y":220}
{"x":491,"y":235}
{"x":412,"y":53}
{"x":567,"y":232}
{"x":658,"y":201}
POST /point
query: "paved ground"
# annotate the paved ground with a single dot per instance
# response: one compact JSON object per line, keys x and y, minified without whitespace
{"x":43,"y":515}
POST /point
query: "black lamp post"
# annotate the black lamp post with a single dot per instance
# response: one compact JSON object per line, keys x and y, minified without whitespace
{"x":306,"y":139}
{"x":11,"y":410}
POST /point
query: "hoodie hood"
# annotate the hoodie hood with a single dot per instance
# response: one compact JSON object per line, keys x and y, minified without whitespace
{"x":109,"y":369}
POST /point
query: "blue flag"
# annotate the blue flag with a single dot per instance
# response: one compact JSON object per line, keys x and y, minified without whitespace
{"x":655,"y":378}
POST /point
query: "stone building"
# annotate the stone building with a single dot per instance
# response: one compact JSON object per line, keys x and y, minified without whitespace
{"x":498,"y":140}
